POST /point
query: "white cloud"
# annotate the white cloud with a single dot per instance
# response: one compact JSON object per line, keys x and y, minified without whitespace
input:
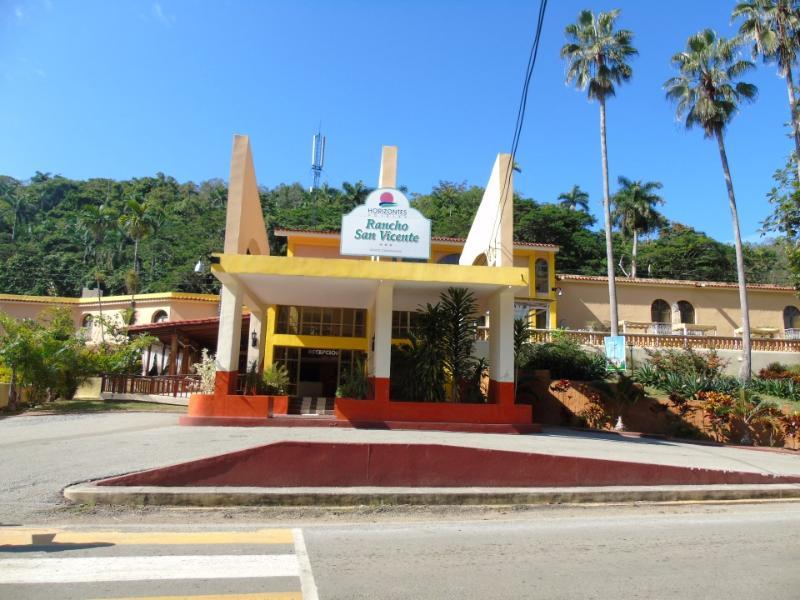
{"x":160,"y":15}
{"x":18,"y":12}
{"x":41,"y":72}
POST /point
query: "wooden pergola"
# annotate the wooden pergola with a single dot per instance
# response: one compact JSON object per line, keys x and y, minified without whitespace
{"x":184,"y":338}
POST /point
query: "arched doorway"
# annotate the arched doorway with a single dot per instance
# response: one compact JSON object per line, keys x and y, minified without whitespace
{"x":791,"y":322}
{"x":686,"y":311}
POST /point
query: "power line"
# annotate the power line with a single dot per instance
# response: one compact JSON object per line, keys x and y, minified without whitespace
{"x":523,"y":104}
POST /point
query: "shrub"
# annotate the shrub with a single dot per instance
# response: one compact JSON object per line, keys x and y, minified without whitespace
{"x":687,"y":361}
{"x":791,"y":425}
{"x":275,"y":380}
{"x":207,"y":369}
{"x":354,"y":384}
{"x":686,"y":385}
{"x":648,"y":375}
{"x":684,"y":374}
{"x":566,"y":359}
{"x":746,"y":413}
{"x":778,"y":387}
{"x":437,"y":363}
{"x":595,"y":415}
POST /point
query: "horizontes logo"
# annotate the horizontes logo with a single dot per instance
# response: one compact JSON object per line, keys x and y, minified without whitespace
{"x":387,"y":199}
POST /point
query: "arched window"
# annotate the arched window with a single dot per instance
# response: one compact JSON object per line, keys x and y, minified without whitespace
{"x":87,"y":321}
{"x":542,"y":274}
{"x":480,"y":261}
{"x":449,"y":259}
{"x":660,"y":312}
{"x":791,"y":317}
{"x":687,"y":312}
{"x":160,"y":316}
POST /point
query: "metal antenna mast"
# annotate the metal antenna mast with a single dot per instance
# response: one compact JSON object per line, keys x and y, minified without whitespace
{"x":317,"y":156}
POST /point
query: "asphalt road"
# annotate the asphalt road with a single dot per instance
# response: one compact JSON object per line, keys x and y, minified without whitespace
{"x":43,"y":454}
{"x":678,"y":551}
{"x":706,"y":552}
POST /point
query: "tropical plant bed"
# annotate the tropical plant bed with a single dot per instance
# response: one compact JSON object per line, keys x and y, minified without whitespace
{"x":589,"y":405}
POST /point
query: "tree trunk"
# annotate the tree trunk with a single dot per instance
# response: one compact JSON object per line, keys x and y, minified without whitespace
{"x":612,"y":284}
{"x":793,"y":112}
{"x":746,"y":369}
{"x":633,"y":252}
{"x":100,"y":309}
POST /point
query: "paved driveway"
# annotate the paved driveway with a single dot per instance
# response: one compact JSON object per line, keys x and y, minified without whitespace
{"x":43,"y":454}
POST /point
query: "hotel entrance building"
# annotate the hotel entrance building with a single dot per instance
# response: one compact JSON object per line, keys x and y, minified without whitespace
{"x":338,"y":301}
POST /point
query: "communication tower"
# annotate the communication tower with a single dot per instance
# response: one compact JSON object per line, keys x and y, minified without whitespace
{"x":317,"y":157}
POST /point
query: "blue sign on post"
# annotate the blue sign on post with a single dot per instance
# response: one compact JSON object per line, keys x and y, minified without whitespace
{"x":615,"y":352}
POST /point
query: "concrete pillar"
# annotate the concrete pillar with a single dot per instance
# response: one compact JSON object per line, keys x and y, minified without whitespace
{"x":501,"y":347}
{"x":257,"y":326}
{"x":185,"y":358}
{"x":380,"y":357}
{"x":388,"y":174}
{"x":269,"y":331}
{"x":228,"y":340}
{"x":173,"y":354}
{"x":146,"y":361}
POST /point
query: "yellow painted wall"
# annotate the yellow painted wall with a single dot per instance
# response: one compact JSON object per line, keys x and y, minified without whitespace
{"x":184,"y":310}
{"x":584,"y":302}
{"x":89,"y":390}
{"x":23,"y":395}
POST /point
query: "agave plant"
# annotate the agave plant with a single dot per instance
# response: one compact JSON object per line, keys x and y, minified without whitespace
{"x":647,"y":375}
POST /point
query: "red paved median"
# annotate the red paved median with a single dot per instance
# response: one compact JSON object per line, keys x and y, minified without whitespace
{"x":320,"y":464}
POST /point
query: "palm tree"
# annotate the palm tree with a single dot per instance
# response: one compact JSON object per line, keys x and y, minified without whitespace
{"x":96,"y":221}
{"x":774,"y":28}
{"x":137,"y":224}
{"x":635,"y":211}
{"x":354,"y":194}
{"x":18,"y":204}
{"x":597,"y":58}
{"x":708,"y":95}
{"x":575,"y":199}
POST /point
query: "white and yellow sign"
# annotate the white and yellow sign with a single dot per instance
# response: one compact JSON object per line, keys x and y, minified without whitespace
{"x":385,"y":225}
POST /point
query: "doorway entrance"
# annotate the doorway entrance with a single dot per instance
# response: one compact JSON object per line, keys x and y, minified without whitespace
{"x":317,"y":372}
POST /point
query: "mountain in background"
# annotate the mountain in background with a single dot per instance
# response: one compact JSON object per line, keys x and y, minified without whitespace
{"x":59,"y":235}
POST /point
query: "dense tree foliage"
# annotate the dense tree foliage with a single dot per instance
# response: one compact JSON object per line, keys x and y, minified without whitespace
{"x":50,"y":359}
{"x":59,"y":235}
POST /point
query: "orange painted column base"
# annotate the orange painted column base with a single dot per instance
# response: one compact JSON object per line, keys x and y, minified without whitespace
{"x":233,"y":406}
{"x":501,"y":392}
{"x":380,"y":388}
{"x":225,"y":383}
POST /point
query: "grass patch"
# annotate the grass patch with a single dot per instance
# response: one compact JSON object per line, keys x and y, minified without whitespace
{"x":83,"y":406}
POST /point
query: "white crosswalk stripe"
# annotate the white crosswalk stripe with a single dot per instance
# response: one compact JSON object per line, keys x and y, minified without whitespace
{"x":121,"y":559}
{"x":145,"y":568}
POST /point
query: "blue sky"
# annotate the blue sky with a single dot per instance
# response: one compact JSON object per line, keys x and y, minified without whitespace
{"x":121,"y":89}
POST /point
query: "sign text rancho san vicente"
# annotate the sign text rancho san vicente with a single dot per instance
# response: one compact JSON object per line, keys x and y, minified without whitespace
{"x":385,"y":225}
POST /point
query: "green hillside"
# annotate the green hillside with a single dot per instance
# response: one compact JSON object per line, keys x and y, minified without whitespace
{"x":58,"y":235}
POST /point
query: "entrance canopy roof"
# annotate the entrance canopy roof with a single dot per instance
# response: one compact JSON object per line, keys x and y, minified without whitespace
{"x":346,"y":283}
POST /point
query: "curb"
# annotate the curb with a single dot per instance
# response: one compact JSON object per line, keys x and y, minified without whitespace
{"x":664,"y":437}
{"x":248,"y":496}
